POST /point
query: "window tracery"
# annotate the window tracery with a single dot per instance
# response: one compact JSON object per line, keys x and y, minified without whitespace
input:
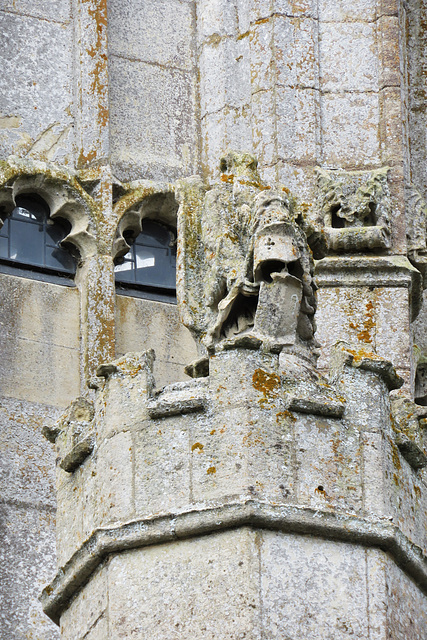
{"x":29,"y":237}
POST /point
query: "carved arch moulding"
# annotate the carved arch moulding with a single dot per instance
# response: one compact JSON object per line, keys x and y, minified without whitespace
{"x":62,"y":192}
{"x":141,"y":199}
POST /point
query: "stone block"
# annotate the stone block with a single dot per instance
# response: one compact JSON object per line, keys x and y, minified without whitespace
{"x":86,"y":608}
{"x":368,"y":405}
{"x":54,"y":10}
{"x":38,"y":55}
{"x":374,"y":490}
{"x":244,"y":451}
{"x":114,"y":480}
{"x":26,"y":564}
{"x":295,"y":49}
{"x":122,"y":403}
{"x":391,"y":131}
{"x":350,"y":130}
{"x":407,"y":606}
{"x":40,"y":328}
{"x":216,"y":19}
{"x":388,"y":35}
{"x":69,"y":517}
{"x":376,"y":564}
{"x":297,"y":179}
{"x":224,"y":75}
{"x":264,"y":125}
{"x":262,"y":56}
{"x":27,"y":470}
{"x":392,"y":309}
{"x":328,"y":464}
{"x":331,"y":575}
{"x":145,"y":324}
{"x":406,"y":497}
{"x":241,"y":376}
{"x":199,"y":588}
{"x":222,"y":131}
{"x":160,"y":32}
{"x":162,"y":465}
{"x":152,"y":121}
{"x":297,"y":125}
{"x":348,"y":57}
{"x":341,"y":11}
{"x":353,"y":320}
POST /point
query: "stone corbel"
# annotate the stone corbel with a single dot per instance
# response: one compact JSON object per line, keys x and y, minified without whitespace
{"x":353,"y":356}
{"x":409,"y":422}
{"x":73,"y":435}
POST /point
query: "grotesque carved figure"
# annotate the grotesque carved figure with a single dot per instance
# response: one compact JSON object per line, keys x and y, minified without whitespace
{"x":355,"y":208}
{"x":244,"y":266}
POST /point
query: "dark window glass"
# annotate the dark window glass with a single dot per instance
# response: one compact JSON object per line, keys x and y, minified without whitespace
{"x":30,"y":237}
{"x":151,"y":260}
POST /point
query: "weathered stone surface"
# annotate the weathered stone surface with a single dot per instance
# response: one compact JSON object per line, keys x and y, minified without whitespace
{"x":138,"y":326}
{"x":36,"y":106}
{"x":160,"y":32}
{"x":88,"y":607}
{"x":408,"y":621}
{"x":205,"y":569}
{"x":26,"y":562}
{"x":331,"y":575}
{"x":40,"y":326}
{"x":305,"y":480}
{"x":152,"y":132}
{"x":27,"y":469}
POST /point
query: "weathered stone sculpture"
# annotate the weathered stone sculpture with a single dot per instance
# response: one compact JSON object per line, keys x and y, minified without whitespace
{"x":205,"y":508}
{"x":355,"y":209}
{"x":243,"y":247}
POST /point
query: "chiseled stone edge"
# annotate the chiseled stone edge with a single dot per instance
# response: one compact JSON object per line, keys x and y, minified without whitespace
{"x":362,"y":271}
{"x":172,"y":527}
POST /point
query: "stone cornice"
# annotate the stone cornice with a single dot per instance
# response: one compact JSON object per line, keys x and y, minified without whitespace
{"x":251,"y":513}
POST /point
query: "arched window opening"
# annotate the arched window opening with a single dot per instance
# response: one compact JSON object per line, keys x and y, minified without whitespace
{"x":150,"y":264}
{"x":30,"y":238}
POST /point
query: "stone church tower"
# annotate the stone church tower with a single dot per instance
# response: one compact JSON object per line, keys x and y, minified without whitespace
{"x":235,"y":446}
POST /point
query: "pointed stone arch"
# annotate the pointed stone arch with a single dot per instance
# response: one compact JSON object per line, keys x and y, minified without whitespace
{"x":61,"y":191}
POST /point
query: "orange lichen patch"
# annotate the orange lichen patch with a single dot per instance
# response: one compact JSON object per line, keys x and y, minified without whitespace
{"x":360,"y":354}
{"x":395,"y":456}
{"x":365,"y":331}
{"x":211,"y":471}
{"x":197,"y":445}
{"x":263,"y":20}
{"x":280,"y":415}
{"x":243,"y":35}
{"x":227,"y":177}
{"x":267,"y":383}
{"x":212,"y":432}
{"x":253,"y":438}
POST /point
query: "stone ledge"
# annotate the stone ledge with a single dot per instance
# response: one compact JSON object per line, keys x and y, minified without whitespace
{"x":371,"y":271}
{"x":173,"y":527}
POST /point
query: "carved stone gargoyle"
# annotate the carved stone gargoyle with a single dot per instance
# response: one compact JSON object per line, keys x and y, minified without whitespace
{"x":354,"y":208}
{"x":245,"y":271}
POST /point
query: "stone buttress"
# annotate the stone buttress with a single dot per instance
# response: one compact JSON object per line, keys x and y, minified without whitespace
{"x":262,"y":498}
